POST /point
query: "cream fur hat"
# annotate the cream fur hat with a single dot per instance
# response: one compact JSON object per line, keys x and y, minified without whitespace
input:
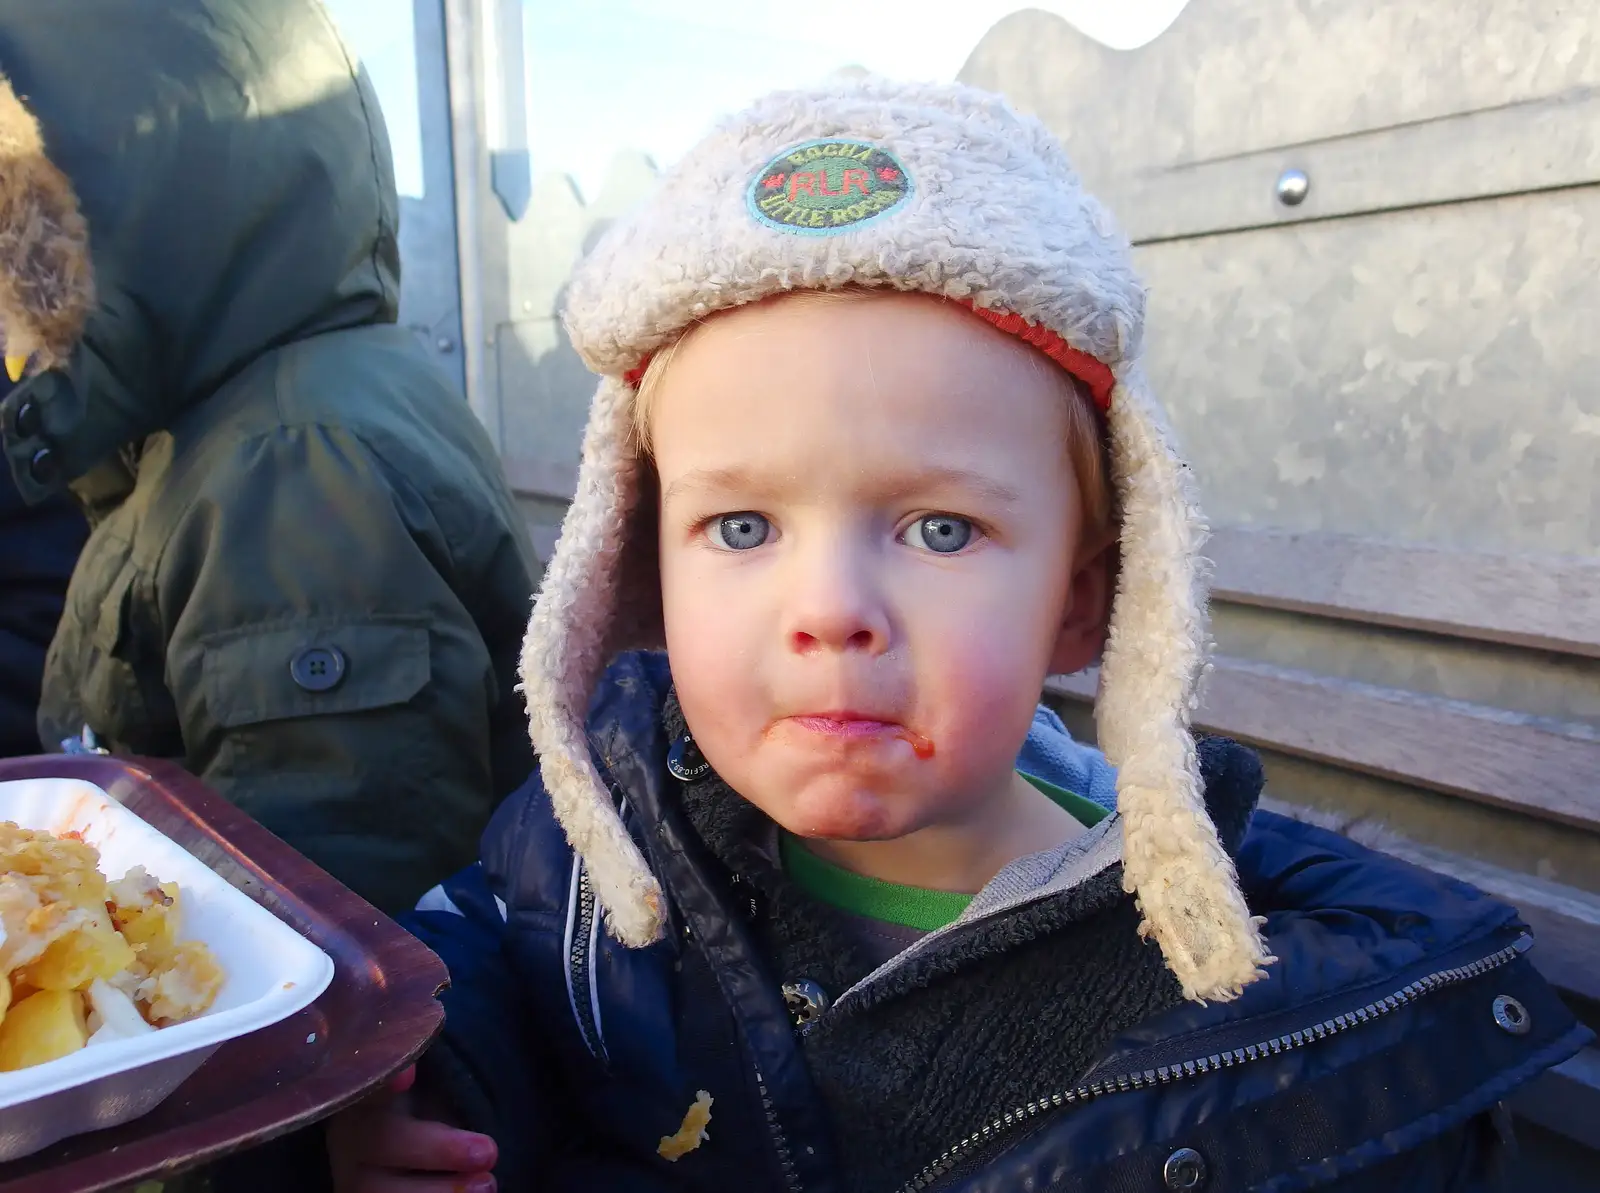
{"x":942,"y":189}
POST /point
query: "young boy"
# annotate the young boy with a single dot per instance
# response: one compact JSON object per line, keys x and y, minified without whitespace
{"x":872,"y":456}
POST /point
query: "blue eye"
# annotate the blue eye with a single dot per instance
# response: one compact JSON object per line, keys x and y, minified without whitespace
{"x":741,"y":532}
{"x":943,"y":534}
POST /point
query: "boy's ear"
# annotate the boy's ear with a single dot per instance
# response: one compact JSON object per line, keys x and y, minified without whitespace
{"x":1086,"y":621}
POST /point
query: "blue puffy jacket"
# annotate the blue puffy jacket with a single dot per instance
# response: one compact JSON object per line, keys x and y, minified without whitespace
{"x":1401,"y":1011}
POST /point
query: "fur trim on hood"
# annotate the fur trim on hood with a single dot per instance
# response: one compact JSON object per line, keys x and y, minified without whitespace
{"x":948,"y":191}
{"x":46,"y":282}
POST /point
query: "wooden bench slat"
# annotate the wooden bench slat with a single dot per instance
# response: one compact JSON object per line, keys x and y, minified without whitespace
{"x":1565,"y":1099}
{"x":1479,"y":754}
{"x":1546,"y":603}
{"x":533,"y":477}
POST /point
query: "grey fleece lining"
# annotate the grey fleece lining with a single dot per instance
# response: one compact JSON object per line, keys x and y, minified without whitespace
{"x":1026,"y":880}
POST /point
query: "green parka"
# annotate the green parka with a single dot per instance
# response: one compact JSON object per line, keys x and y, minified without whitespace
{"x":307,"y":579}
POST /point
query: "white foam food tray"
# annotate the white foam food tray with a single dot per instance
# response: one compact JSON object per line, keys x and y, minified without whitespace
{"x":271,"y":973}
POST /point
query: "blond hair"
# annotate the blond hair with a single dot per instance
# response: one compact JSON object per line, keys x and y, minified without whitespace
{"x":1086,"y":444}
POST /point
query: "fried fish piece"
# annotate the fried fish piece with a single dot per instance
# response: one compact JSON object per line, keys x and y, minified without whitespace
{"x":171,"y":984}
{"x":30,"y":921}
{"x":65,"y":869}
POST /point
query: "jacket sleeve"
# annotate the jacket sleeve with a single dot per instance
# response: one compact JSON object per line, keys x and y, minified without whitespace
{"x":327,"y":674}
{"x":486,"y":1067}
{"x":39,"y":546}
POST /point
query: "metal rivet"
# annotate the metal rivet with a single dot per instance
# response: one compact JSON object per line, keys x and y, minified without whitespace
{"x":1293,"y":186}
{"x":1185,"y":1170}
{"x":446,"y":344}
{"x":1510,"y":1015}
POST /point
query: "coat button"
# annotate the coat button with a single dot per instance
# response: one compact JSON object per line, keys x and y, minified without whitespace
{"x":26,"y":422}
{"x":1185,"y":1170}
{"x":43,"y":466}
{"x":1511,"y":1016}
{"x":685,"y":762}
{"x":318,"y":668}
{"x":806,"y":1001}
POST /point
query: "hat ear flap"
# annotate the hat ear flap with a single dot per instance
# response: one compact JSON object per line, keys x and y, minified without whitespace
{"x":1186,"y":886}
{"x":581,"y":611}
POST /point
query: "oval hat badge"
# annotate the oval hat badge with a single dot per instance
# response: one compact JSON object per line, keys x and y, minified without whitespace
{"x":828,"y":185}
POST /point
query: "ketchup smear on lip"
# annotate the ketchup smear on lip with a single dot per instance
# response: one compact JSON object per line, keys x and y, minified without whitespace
{"x":921,"y":746}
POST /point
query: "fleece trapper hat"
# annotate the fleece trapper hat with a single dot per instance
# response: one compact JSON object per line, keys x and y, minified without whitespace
{"x":946,"y":190}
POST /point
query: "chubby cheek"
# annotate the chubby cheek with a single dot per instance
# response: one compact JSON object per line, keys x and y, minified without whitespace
{"x":976,"y":707}
{"x":712,"y":641}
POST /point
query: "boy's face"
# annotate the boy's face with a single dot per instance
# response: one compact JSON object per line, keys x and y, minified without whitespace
{"x":871,"y":557}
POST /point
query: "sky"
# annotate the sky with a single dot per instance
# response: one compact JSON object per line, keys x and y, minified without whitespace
{"x":605,"y":76}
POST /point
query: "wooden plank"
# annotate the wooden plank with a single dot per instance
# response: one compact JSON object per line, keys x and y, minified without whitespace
{"x":544,"y":537}
{"x":1513,"y":149}
{"x":1482,"y":754}
{"x":1565,"y":1099}
{"x":1568,"y":948}
{"x":1550,"y":603}
{"x":546,"y":479}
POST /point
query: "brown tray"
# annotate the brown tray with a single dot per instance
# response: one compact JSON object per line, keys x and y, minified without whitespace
{"x":378,"y":1015}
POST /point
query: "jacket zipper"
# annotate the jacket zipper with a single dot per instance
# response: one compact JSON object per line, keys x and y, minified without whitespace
{"x":791,"y":1175}
{"x":1169,"y":1074}
{"x":583,"y":926}
{"x":580,"y":991}
{"x":578,"y":966}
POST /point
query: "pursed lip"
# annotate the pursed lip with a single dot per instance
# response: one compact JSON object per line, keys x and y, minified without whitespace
{"x":849,"y":725}
{"x":845,"y":723}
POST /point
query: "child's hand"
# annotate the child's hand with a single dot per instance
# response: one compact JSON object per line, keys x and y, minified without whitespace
{"x":380,"y":1146}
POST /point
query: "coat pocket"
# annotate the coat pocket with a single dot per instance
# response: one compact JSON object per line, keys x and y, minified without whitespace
{"x":92,"y":676}
{"x":313,"y":667}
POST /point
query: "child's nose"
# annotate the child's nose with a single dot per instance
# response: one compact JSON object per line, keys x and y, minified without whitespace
{"x":836,"y":607}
